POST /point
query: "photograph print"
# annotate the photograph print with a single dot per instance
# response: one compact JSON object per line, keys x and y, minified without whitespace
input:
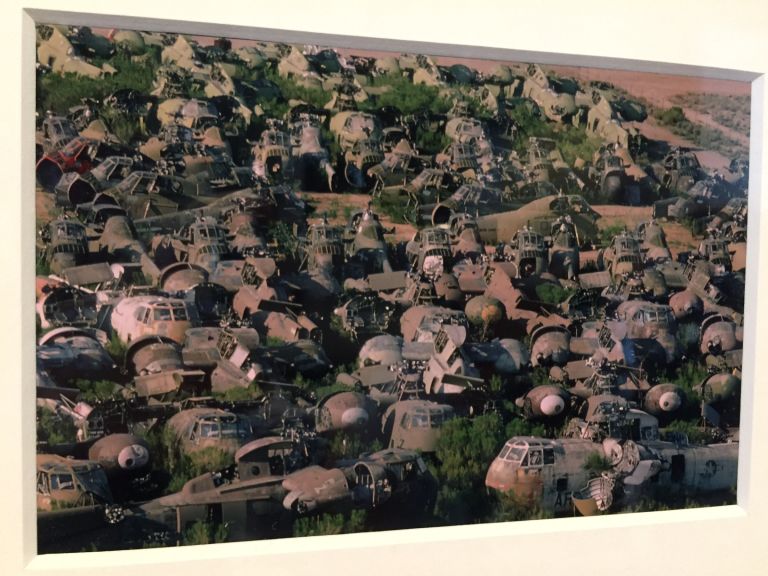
{"x":288,"y":290}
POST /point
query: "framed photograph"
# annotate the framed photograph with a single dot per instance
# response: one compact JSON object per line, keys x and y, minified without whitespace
{"x":325,"y":283}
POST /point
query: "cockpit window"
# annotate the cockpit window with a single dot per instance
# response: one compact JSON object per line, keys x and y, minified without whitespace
{"x":179,"y":312}
{"x":515,"y":453}
{"x":535,"y":457}
{"x":162,"y":314}
{"x":62,"y":482}
{"x":208,"y":429}
{"x":218,"y":427}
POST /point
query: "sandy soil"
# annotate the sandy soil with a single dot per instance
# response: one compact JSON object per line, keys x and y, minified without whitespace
{"x":678,"y":237}
{"x":659,"y":90}
{"x":330,"y":203}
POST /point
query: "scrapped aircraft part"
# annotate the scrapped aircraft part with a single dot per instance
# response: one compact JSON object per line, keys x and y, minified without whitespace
{"x":152,"y":354}
{"x":72,"y":189}
{"x":720,"y":334}
{"x":365,"y":315}
{"x":385,"y":350}
{"x":415,"y":424}
{"x":686,"y":304}
{"x":118,"y":453}
{"x":485,"y":312}
{"x":350,"y":411}
{"x":544,"y":401}
{"x":552,"y":405}
{"x":182,"y":276}
{"x":664,"y":399}
{"x":66,"y":305}
{"x":719,"y":387}
{"x":138,"y":316}
{"x":550,"y":345}
{"x":597,"y":496}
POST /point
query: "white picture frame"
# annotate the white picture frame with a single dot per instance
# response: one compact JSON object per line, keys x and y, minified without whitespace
{"x":722,"y":40}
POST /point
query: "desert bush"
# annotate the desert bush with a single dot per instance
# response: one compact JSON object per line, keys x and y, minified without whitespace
{"x":330,"y":524}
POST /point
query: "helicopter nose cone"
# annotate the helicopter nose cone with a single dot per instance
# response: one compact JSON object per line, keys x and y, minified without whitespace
{"x":133,"y":457}
{"x":354,"y":418}
{"x":552,"y":405}
{"x":670,"y":401}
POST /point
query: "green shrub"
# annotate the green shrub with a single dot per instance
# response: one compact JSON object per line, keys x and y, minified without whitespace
{"x":117,"y":349}
{"x":351,"y":445}
{"x":695,"y":434}
{"x":670,"y":116}
{"x":59,"y":92}
{"x":53,"y":428}
{"x":552,"y":293}
{"x":95,"y":390}
{"x":330,"y":524}
{"x":596,"y":463}
{"x":464,"y":451}
{"x":608,"y":233}
{"x":205,"y":533}
{"x":410,"y":98}
{"x":512,"y":508}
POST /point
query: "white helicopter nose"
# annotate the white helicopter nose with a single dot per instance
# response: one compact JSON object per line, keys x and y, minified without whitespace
{"x":552,"y":405}
{"x":670,"y":401}
{"x":132,"y":457}
{"x":354,"y":417}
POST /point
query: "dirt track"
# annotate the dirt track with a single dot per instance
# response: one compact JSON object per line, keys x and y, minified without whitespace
{"x":678,"y":237}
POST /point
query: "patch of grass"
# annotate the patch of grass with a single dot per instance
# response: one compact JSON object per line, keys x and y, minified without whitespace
{"x":53,"y":428}
{"x":552,"y":293}
{"x":410,"y":98}
{"x":205,"y":533}
{"x":238,"y":394}
{"x":732,"y":111}
{"x":695,"y":434}
{"x":331,"y":524}
{"x":521,"y":427}
{"x":688,"y":376}
{"x":595,"y":463}
{"x":349,"y":445}
{"x":292,"y":91}
{"x":95,"y":390}
{"x":608,"y":233}
{"x":431,"y":142}
{"x":395,"y":208}
{"x":512,"y":508}
{"x":710,"y":138}
{"x":59,"y":92}
{"x":184,"y":467}
{"x":117,"y":349}
{"x":273,"y":342}
{"x":42,"y":266}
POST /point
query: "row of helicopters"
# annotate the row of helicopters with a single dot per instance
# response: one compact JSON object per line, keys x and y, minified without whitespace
{"x":239,"y":337}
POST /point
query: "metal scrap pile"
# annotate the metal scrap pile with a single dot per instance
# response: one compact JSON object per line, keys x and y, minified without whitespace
{"x":185,"y":278}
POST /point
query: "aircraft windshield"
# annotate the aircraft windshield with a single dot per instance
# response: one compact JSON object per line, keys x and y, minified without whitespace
{"x":513,"y":453}
{"x":62,"y":482}
{"x":220,"y":427}
{"x":276,"y":139}
{"x":425,"y":418}
{"x":70,"y":229}
{"x":167,"y":312}
{"x":73,"y":147}
{"x":69,"y":249}
{"x":95,"y":481}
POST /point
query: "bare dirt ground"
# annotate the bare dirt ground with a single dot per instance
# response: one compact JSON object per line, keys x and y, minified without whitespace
{"x":338,"y":207}
{"x":678,"y":236}
{"x":656,"y":89}
{"x":660,"y":90}
{"x":45,"y":207}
